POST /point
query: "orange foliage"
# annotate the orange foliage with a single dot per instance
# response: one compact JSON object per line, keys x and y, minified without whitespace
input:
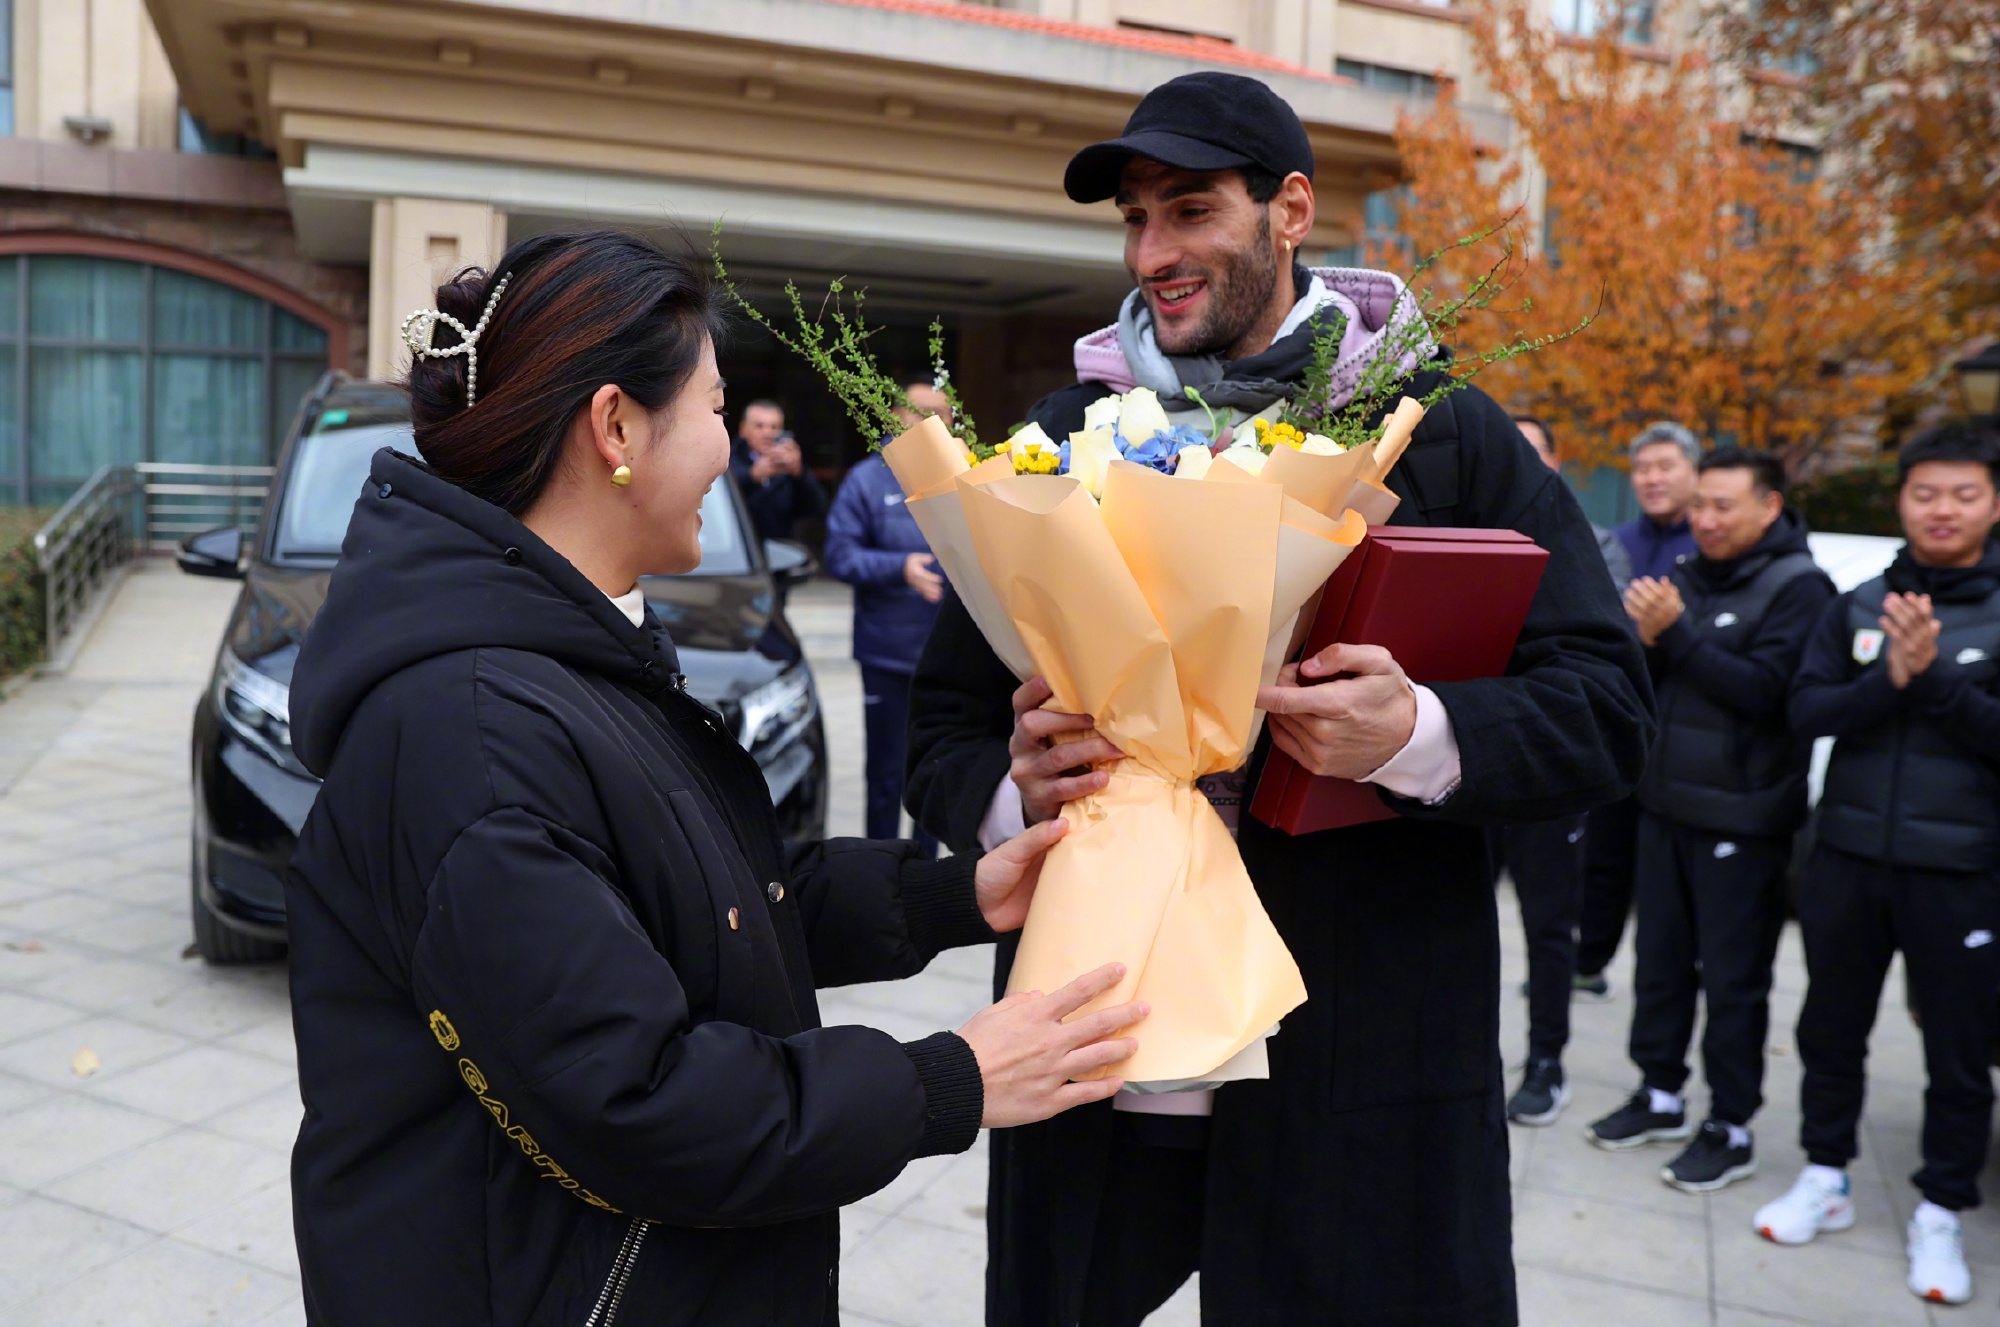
{"x":1735,"y":288}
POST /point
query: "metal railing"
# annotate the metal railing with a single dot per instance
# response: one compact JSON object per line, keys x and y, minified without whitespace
{"x":181,"y":500}
{"x":125,"y":510}
{"x":81,"y":548}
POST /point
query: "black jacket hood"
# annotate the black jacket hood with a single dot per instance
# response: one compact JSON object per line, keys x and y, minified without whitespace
{"x":428,"y":569}
{"x":1786,"y":535}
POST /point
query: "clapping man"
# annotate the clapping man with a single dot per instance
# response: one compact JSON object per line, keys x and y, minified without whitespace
{"x":1723,"y":794}
{"x":771,"y":472}
{"x":1904,"y":673}
{"x":873,"y":544}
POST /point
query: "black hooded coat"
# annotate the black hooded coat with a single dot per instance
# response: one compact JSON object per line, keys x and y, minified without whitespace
{"x":552,"y":969}
{"x":1365,"y":1183}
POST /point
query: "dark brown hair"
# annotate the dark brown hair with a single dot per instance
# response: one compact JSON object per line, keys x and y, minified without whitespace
{"x":581,"y":309}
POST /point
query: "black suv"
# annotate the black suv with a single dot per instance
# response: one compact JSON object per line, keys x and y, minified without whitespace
{"x":251,"y":795}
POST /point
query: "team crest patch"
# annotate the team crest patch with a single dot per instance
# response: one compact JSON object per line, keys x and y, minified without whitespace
{"x":1867,"y":645}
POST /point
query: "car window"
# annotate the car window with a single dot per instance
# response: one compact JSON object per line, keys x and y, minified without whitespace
{"x":332,"y":462}
{"x":325,"y":478}
{"x":724,"y":552}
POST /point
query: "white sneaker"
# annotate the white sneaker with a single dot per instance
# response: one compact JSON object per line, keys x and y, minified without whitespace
{"x":1937,"y":1257}
{"x":1818,"y":1201}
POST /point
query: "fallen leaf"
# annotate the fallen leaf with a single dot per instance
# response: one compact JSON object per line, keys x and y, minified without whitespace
{"x":32,"y":947}
{"x":86,"y":1063}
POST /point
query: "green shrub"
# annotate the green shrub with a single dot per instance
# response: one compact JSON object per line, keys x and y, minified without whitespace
{"x":22,"y":623}
{"x":1857,"y":501}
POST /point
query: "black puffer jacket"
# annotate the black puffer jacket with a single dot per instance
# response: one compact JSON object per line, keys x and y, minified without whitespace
{"x":552,"y":970}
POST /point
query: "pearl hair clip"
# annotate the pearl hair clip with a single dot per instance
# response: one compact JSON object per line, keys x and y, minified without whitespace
{"x":421,"y":326}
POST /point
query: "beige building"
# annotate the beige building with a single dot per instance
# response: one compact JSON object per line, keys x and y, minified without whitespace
{"x":206,"y":202}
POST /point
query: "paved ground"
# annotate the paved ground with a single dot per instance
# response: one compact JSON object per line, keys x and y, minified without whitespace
{"x":152,"y":1189}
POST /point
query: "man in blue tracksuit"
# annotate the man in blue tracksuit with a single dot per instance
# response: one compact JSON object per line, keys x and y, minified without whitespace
{"x":873,"y":544}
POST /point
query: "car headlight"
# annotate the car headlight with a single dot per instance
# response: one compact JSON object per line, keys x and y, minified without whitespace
{"x":775,"y":713}
{"x":257,"y":709}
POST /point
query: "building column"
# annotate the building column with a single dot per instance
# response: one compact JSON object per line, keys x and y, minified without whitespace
{"x":415,"y":246}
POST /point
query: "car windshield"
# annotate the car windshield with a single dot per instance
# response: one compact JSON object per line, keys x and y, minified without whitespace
{"x":332,"y":464}
{"x":325,"y":479}
{"x":723,"y":550}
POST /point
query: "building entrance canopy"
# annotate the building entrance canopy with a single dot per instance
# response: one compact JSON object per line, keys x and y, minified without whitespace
{"x":918,"y":146}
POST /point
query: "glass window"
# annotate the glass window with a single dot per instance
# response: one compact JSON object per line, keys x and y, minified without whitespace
{"x":107,"y":362}
{"x":209,"y":410}
{"x":83,"y":412}
{"x":86,"y":299}
{"x":188,"y":311}
{"x":291,"y":332}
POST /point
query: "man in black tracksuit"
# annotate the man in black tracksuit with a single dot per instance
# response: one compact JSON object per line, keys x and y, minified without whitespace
{"x":1904,"y":672}
{"x":1723,"y":794}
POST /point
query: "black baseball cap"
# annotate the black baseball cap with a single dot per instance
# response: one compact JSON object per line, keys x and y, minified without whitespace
{"x":1205,"y":121}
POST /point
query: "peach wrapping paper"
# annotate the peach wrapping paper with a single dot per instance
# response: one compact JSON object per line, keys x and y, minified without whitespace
{"x":1158,"y":611}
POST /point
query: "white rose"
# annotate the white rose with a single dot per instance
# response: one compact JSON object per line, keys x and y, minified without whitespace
{"x":1140,"y":416}
{"x":1101,"y":413}
{"x":1192,"y":462}
{"x":1091,"y":453}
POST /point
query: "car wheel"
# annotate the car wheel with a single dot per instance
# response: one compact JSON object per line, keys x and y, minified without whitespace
{"x":218,"y":943}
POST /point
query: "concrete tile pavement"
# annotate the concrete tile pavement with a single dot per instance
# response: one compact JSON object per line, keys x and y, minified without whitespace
{"x":153,"y":1190}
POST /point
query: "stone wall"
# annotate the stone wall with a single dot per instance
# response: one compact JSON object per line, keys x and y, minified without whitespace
{"x":257,"y":239}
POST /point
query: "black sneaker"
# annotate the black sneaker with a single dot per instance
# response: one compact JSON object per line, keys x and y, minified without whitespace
{"x":1636,"y":1124}
{"x":1710,"y":1163}
{"x":1543,"y":1094}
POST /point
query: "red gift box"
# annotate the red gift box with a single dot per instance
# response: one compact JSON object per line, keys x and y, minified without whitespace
{"x":1447,"y":603}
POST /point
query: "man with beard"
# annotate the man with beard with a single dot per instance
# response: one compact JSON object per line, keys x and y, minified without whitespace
{"x":1365,"y":1182}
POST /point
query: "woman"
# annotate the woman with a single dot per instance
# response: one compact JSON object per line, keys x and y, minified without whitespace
{"x":552,"y":970}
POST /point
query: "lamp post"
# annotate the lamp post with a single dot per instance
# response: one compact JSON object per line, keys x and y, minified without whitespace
{"x":1979,"y":383}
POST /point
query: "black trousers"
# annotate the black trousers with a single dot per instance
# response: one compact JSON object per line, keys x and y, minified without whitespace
{"x":1610,"y":855}
{"x":1710,"y":909}
{"x":1545,"y":859}
{"x":1148,"y":1237}
{"x":1854,"y":915}
{"x":885,"y":712}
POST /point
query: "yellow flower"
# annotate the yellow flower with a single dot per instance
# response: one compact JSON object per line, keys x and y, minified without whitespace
{"x":1005,"y":445}
{"x":1284,"y":433}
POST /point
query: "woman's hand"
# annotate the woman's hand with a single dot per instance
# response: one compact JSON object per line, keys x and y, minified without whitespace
{"x":1027,"y":1055}
{"x":1004,"y":880}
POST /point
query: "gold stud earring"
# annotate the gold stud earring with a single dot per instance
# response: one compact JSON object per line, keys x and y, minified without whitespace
{"x":621,"y":476}
{"x":1287,"y":244}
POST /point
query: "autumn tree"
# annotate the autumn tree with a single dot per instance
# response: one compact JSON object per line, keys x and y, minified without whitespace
{"x":1906,"y":95}
{"x":1731,"y":283}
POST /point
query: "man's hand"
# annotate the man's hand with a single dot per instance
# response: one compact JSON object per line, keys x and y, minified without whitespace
{"x":1913,"y":635}
{"x":1654,"y":604}
{"x":1051,"y":773}
{"x":1027,"y":1055}
{"x":763,"y":466}
{"x":927,"y":583}
{"x":1004,"y":881}
{"x":786,"y":455}
{"x":1346,"y":728}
